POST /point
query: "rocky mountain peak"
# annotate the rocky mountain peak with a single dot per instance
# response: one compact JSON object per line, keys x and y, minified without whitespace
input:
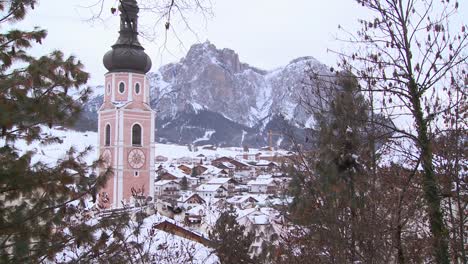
{"x":307,"y":59}
{"x":207,"y":53}
{"x":211,"y":91}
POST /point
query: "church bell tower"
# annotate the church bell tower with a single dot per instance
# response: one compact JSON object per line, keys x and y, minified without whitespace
{"x":126,"y":120}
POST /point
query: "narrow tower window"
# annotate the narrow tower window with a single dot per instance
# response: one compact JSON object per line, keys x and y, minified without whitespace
{"x":137,"y":88}
{"x":136,"y":135}
{"x":108,"y":128}
{"x":121,"y":87}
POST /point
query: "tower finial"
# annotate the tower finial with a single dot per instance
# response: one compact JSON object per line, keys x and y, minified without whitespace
{"x":128,"y":23}
{"x":127,"y":54}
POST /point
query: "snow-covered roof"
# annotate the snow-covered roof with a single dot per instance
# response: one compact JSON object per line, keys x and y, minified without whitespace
{"x":265,"y":163}
{"x":259,"y":219}
{"x":228,"y":164}
{"x":164,"y":182}
{"x":210,"y":169}
{"x":218,"y":181}
{"x":196,"y":210}
{"x":261,"y":181}
{"x":177,"y":173}
{"x":258,"y":216}
{"x":240,"y":199}
{"x":120,"y":104}
{"x":193,"y":194}
{"x":209,"y":187}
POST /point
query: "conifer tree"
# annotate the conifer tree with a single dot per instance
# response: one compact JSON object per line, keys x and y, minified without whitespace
{"x":341,"y":145}
{"x":330,"y":185}
{"x":184,"y":184}
{"x":230,"y":239}
{"x":40,"y":203}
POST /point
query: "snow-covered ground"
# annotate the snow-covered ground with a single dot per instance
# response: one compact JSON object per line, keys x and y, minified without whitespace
{"x":165,"y":247}
{"x":49,"y":154}
{"x":81,"y":140}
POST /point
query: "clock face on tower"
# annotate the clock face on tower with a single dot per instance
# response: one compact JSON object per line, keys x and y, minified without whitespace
{"x":106,"y":157}
{"x":136,"y":158}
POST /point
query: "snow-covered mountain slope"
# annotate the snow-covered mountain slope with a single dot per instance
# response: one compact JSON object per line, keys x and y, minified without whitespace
{"x":211,"y":90}
{"x":216,"y":80}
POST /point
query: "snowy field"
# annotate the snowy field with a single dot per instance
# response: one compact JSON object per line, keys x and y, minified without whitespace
{"x":81,"y":140}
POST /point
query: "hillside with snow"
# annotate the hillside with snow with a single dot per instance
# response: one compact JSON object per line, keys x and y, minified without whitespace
{"x":81,"y":141}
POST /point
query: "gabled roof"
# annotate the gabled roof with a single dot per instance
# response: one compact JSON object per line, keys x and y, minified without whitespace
{"x":177,"y":173}
{"x":210,"y":187}
{"x":232,"y":161}
{"x":266,"y":163}
{"x":220,"y":181}
{"x":164,"y":182}
{"x":210,"y":169}
{"x":195,"y":195}
{"x":241,"y":199}
{"x":258,"y":216}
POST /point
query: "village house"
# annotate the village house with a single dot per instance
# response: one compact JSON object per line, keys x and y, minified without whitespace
{"x":189,"y":201}
{"x":262,"y":185}
{"x":199,"y":169}
{"x":194,"y":215}
{"x":241,"y":171}
{"x":177,"y":175}
{"x":226,"y":166}
{"x":210,"y":172}
{"x":166,"y":188}
{"x":267,"y":166}
{"x":248,"y":156}
{"x":243,"y":201}
{"x":208,"y":191}
{"x":227,"y":183}
{"x":239,"y":166}
{"x":202,"y":216}
{"x":265,"y":222}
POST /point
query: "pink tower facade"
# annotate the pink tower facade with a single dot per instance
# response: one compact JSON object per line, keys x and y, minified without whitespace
{"x":125,"y":119}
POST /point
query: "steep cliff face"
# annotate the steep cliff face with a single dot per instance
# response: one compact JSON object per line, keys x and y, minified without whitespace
{"x":210,"y":78}
{"x":209,"y":96}
{"x":217,"y":80}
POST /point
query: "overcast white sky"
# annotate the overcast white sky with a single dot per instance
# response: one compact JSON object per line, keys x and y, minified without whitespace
{"x":265,"y":33}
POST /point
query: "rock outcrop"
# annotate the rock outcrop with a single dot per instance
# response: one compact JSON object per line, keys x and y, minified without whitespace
{"x":210,"y":97}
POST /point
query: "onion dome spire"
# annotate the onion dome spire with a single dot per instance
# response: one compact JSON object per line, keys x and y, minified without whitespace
{"x":127,"y":54}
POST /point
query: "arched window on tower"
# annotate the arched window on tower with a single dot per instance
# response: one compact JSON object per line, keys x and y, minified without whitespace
{"x":107,"y":135}
{"x":136,"y":135}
